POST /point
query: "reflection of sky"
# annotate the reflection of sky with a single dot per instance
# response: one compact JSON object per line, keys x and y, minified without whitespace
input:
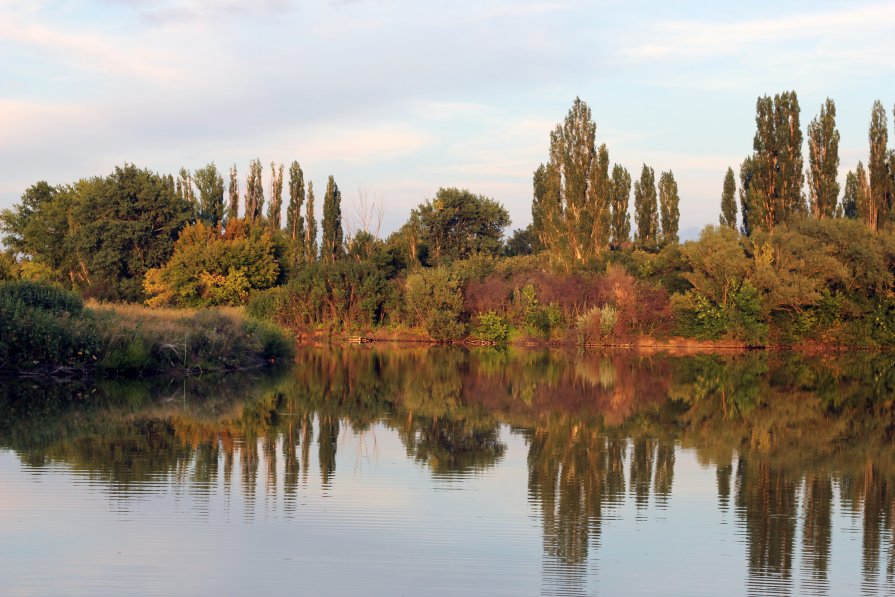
{"x":384,"y":526}
{"x":402,"y":97}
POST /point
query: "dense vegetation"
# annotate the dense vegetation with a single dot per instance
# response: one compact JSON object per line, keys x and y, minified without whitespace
{"x":46,"y":329}
{"x":784,"y":266}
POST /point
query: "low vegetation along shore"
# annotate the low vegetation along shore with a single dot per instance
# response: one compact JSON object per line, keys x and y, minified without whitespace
{"x":45,"y":329}
{"x":792,"y":263}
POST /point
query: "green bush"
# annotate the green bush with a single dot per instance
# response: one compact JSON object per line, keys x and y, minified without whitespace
{"x":43,"y":296}
{"x":267,"y":305}
{"x":491,"y":327}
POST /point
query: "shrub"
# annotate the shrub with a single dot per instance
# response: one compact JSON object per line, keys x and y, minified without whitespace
{"x":491,"y":327}
{"x":43,"y":296}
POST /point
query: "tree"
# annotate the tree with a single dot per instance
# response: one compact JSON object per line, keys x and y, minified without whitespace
{"x":865,"y":208}
{"x":823,"y":159}
{"x":331,"y":248}
{"x":619,"y":196}
{"x":38,"y":226}
{"x":207,"y":269}
{"x":275,"y":208}
{"x":646,"y":212}
{"x":878,"y":211}
{"x":570,"y":209}
{"x":668,"y":203}
{"x":775,"y":172}
{"x":457,"y":224}
{"x":211,"y":195}
{"x":254,"y":193}
{"x":728,"y":201}
{"x":295,"y":221}
{"x":122,"y":226}
{"x":311,"y":230}
{"x":233,"y":196}
{"x":748,"y":202}
{"x":849,"y":206}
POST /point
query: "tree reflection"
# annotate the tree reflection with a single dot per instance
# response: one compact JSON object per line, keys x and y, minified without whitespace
{"x":784,"y":434}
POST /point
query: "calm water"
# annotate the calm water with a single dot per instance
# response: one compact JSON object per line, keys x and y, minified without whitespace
{"x":445,"y":472}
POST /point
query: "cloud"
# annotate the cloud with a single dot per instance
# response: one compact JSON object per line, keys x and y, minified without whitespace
{"x":710,"y":40}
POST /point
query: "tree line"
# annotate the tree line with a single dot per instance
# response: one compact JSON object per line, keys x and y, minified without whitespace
{"x":782,"y":265}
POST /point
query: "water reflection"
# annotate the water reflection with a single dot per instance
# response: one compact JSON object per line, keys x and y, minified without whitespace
{"x":794,"y":442}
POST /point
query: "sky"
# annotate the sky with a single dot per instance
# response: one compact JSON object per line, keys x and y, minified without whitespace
{"x":396,"y":98}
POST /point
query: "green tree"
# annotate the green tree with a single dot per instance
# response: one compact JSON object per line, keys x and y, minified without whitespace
{"x":275,"y":208}
{"x":123,"y":225}
{"x":668,"y":204}
{"x":823,"y":159}
{"x":295,"y":221}
{"x":38,"y":227}
{"x":646,"y":210}
{"x":457,"y":224}
{"x":849,"y":206}
{"x":570,"y":209}
{"x":864,"y":207}
{"x":747,"y":196}
{"x":728,"y":201}
{"x":877,"y":212}
{"x":331,"y":248}
{"x":776,"y":174}
{"x":233,"y":196}
{"x":254,"y":193}
{"x":207,"y":269}
{"x":211,"y":195}
{"x":311,"y":230}
{"x":619,"y":196}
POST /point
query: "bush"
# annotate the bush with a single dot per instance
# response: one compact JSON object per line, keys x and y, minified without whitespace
{"x":491,"y":327}
{"x":43,"y":296}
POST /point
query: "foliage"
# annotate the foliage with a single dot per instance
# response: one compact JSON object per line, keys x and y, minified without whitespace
{"x":491,"y":327}
{"x":208,"y":269}
{"x":46,"y":297}
{"x":331,"y":247}
{"x":823,"y":159}
{"x":456,"y":224}
{"x":728,"y":201}
{"x":433,"y":300}
{"x":646,"y":210}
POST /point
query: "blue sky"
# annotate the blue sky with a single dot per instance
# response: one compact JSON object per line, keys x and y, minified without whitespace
{"x":401,"y":97}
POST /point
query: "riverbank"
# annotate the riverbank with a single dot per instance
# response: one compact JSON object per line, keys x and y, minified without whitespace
{"x":45,"y":330}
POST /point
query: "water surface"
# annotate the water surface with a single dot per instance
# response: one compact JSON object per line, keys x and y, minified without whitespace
{"x":443,"y":471}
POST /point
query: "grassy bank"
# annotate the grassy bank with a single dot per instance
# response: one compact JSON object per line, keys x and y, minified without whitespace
{"x":45,"y":329}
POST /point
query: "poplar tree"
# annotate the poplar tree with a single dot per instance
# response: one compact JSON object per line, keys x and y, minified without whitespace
{"x":877,"y":212}
{"x":570,"y":208}
{"x":275,"y":207}
{"x":747,"y":200}
{"x":823,"y":159}
{"x":254,"y":193}
{"x":849,"y":206}
{"x":776,"y":168}
{"x":185,"y":189}
{"x":669,"y":201}
{"x":211,"y":195}
{"x":728,"y":201}
{"x":646,"y":212}
{"x":331,"y":248}
{"x":233,"y":195}
{"x":295,"y":221}
{"x":311,"y":230}
{"x":619,"y":196}
{"x":865,"y":206}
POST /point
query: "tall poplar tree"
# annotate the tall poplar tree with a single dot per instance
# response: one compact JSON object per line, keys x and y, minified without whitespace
{"x":775,"y":171}
{"x":275,"y":207}
{"x":331,"y":248}
{"x":233,"y":195}
{"x":619,"y":196}
{"x":728,"y":200}
{"x":877,"y":212}
{"x":849,"y":206}
{"x":747,"y":196}
{"x":311,"y":230}
{"x":866,"y":209}
{"x":823,"y":159}
{"x":295,"y":221}
{"x":211,"y":195}
{"x":254,"y":193}
{"x":186,"y":191}
{"x":669,"y":207}
{"x":570,"y":208}
{"x":646,"y":209}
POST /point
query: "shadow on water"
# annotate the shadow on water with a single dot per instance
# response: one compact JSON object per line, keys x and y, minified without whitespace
{"x":792,"y":440}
